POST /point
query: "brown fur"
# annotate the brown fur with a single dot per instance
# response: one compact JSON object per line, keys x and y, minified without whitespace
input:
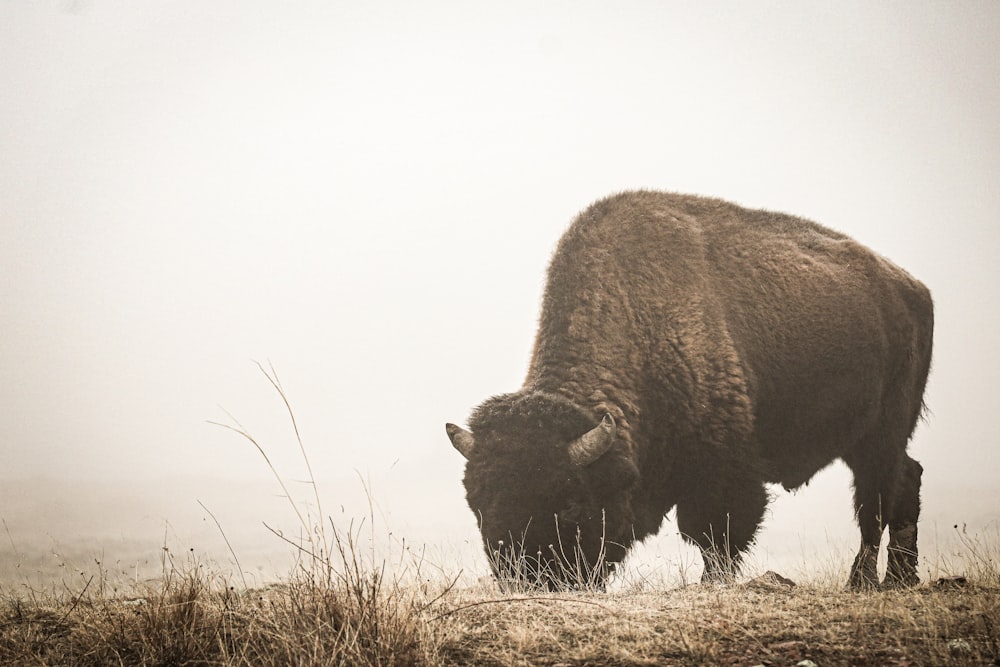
{"x":733,"y":347}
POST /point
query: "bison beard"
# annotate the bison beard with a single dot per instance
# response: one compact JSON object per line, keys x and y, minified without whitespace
{"x":690,"y":351}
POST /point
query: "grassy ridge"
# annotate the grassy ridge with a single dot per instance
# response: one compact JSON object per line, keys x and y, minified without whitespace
{"x":358,"y":617}
{"x":343,"y":605}
{"x":739,"y":625}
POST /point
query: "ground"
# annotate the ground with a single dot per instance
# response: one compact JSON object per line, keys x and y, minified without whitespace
{"x":739,"y":625}
{"x":362,"y":619}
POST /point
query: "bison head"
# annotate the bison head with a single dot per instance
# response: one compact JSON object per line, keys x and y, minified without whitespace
{"x":550,"y":489}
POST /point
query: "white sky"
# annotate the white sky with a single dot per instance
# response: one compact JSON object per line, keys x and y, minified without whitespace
{"x":367,"y":194}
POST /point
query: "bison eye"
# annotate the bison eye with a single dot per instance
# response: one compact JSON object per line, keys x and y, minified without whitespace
{"x":573,"y":513}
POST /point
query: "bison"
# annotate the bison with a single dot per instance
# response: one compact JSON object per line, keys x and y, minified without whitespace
{"x":690,"y":351}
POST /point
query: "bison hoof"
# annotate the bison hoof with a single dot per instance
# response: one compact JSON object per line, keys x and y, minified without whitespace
{"x":718,"y":577}
{"x":863,"y":585}
{"x":863,"y":581}
{"x":899,"y":580}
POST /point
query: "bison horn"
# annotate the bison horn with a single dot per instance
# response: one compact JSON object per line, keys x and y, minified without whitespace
{"x":462,"y":439}
{"x":594,"y":443}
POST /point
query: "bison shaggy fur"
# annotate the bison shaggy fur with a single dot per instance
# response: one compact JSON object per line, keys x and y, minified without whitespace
{"x":689,"y":352}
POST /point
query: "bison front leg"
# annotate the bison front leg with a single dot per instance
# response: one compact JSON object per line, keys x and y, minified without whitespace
{"x":723,"y":520}
{"x":864,"y":571}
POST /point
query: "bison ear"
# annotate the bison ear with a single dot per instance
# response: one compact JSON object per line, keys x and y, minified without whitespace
{"x":463,"y":440}
{"x":594,"y":443}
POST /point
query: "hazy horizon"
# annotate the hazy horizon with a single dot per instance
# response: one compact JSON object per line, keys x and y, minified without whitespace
{"x":366,"y":198}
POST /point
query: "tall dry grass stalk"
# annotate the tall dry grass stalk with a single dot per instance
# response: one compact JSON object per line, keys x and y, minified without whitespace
{"x":340,"y":604}
{"x":340,"y":596}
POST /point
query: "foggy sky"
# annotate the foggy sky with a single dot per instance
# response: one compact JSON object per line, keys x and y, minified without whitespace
{"x":366,"y":196}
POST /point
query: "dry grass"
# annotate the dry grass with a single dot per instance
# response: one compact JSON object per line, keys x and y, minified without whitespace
{"x":738,"y":625}
{"x":342,"y":605}
{"x":194,"y":618}
{"x":191,"y":621}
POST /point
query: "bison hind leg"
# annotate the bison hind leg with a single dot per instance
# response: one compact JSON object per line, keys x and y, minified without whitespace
{"x":886,"y":493}
{"x":902,"y":563}
{"x":722,"y":519}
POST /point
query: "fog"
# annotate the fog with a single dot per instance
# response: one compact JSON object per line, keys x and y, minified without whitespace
{"x":365,"y":197}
